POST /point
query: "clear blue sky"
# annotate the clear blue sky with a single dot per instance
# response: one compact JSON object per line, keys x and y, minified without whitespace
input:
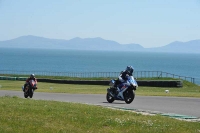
{"x":150,"y":23}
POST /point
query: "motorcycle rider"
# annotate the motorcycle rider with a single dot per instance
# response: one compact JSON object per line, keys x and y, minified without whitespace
{"x":32,"y":77}
{"x":123,"y":76}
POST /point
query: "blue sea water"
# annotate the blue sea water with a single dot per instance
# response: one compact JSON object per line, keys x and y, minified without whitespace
{"x":98,"y":61}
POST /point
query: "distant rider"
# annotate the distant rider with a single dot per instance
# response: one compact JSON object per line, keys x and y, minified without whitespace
{"x":32,"y":77}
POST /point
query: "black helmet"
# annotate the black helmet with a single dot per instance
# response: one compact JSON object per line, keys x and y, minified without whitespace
{"x":32,"y":76}
{"x":129,"y":69}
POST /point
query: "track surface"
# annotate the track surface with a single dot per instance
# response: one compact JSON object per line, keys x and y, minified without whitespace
{"x":176,"y":105}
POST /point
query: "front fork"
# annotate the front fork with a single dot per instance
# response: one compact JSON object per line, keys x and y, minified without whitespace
{"x":111,"y":91}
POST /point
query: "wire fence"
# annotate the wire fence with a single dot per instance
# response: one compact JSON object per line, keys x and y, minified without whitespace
{"x":137,"y":74}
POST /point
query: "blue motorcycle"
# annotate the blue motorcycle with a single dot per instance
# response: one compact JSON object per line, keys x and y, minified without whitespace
{"x":124,"y":91}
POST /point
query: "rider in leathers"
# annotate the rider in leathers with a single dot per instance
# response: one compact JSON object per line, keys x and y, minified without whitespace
{"x":123,"y":76}
{"x":32,"y":77}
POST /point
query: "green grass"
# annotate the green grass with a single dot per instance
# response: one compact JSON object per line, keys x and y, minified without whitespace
{"x":28,"y":115}
{"x":188,"y":89}
{"x":37,"y":116}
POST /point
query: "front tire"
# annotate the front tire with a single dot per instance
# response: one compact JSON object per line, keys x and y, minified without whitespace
{"x":25,"y":95}
{"x":129,"y":96}
{"x":31,"y":93}
{"x":109,"y":98}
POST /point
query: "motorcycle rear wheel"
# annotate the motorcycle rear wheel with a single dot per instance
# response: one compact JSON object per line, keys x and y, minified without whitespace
{"x":129,"y":96}
{"x":109,"y":98}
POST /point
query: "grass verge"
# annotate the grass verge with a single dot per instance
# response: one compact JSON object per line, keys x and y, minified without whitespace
{"x":188,"y":89}
{"x":28,"y":115}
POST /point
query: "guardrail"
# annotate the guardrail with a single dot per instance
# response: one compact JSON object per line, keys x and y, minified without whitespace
{"x":153,"y":83}
{"x":160,"y":74}
{"x":137,"y":74}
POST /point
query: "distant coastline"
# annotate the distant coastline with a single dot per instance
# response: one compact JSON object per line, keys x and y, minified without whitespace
{"x":97,"y":44}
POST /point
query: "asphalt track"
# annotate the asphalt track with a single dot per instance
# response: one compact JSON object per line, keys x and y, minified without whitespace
{"x":154,"y":104}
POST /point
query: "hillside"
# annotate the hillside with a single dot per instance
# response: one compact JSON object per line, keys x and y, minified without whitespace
{"x":180,"y":47}
{"x":96,"y":44}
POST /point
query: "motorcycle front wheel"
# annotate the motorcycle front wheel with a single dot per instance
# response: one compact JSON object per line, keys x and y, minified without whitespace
{"x":25,"y":94}
{"x":129,"y":96}
{"x":31,"y":93}
{"x":109,"y":98}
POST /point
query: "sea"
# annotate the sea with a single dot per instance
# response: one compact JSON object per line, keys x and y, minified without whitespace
{"x":62,"y":60}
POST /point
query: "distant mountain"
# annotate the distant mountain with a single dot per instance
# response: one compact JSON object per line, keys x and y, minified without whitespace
{"x":179,"y":47}
{"x":31,"y":42}
{"x":75,"y":43}
{"x":96,"y":44}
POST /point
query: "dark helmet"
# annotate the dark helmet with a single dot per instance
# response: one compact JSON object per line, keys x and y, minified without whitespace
{"x":129,"y":69}
{"x":32,"y":76}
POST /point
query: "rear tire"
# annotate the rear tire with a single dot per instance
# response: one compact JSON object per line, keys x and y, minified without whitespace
{"x":109,"y":98}
{"x":31,"y":95}
{"x":129,"y":96}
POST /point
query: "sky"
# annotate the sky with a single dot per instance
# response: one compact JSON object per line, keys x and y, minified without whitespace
{"x":150,"y":23}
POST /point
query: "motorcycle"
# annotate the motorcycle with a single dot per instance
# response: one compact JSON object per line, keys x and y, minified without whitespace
{"x":29,"y":89}
{"x":124,"y":91}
